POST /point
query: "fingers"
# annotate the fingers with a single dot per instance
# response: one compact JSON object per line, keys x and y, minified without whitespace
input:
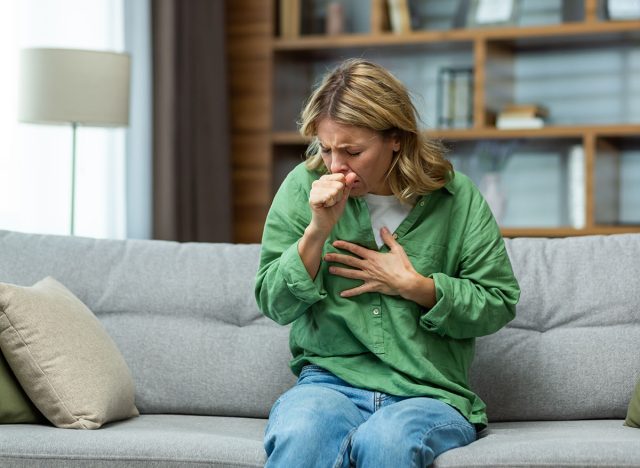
{"x":388,"y":238}
{"x":329,"y":190}
{"x":348,"y":273}
{"x":366,"y":287}
{"x":344,"y":259}
{"x":353,"y":248}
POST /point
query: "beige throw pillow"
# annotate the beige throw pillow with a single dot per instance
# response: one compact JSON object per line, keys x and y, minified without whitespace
{"x":63,"y":357}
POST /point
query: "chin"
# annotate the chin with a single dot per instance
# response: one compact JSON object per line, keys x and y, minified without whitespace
{"x":357,"y":192}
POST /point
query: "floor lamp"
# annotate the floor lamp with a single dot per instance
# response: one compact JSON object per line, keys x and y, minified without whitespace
{"x":76,"y":87}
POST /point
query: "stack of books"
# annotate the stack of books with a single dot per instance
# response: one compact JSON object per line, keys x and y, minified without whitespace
{"x":522,"y":116}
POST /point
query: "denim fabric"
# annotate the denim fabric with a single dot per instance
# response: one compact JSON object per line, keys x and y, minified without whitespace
{"x":325,"y":422}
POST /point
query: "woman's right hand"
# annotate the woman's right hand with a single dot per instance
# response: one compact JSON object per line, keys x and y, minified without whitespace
{"x":327,"y":200}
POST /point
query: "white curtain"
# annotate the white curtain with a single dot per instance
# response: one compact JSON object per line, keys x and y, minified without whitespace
{"x":35,"y":160}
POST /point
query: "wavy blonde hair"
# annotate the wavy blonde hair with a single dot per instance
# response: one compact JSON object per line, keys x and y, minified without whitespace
{"x":364,"y":94}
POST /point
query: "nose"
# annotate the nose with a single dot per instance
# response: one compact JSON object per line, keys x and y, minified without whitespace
{"x":338,"y":163}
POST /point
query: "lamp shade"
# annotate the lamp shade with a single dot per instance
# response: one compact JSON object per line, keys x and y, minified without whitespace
{"x":67,"y":85}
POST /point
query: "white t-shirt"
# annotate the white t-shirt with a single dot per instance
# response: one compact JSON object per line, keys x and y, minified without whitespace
{"x":385,"y":210}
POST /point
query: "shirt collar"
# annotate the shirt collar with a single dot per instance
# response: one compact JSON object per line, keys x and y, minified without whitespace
{"x":449,"y":187}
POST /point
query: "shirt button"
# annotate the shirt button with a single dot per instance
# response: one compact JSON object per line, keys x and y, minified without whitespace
{"x":395,"y":236}
{"x":376,"y":311}
{"x":422,"y":203}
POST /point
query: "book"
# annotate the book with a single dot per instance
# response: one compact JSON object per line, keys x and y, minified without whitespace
{"x":576,"y":188}
{"x":284,"y":12}
{"x":507,"y":122}
{"x":455,"y":97}
{"x":399,"y":16}
{"x":522,"y":116}
{"x":607,"y":184}
{"x":289,"y":18}
{"x":525,"y":110}
{"x":379,"y":16}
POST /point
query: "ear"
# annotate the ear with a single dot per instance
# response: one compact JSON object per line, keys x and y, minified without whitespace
{"x":396,"y":143}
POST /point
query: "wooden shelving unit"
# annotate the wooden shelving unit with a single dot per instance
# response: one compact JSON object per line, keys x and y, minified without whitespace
{"x":258,"y":54}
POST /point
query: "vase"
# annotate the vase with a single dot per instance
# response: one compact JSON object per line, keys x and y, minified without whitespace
{"x":493,"y":193}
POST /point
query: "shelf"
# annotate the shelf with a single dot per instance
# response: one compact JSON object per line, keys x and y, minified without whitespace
{"x":568,"y":231}
{"x":571,"y":68}
{"x":565,"y":131}
{"x":559,"y":131}
{"x":615,"y":30}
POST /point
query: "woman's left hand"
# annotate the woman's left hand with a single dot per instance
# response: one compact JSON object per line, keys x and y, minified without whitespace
{"x":388,"y":273}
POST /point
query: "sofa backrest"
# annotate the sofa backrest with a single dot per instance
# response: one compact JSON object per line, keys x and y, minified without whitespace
{"x":573,"y":350}
{"x":183,"y":315}
{"x":185,"y":319}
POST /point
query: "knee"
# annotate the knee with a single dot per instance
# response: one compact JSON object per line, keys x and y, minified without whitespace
{"x":379,"y":441}
{"x":307,"y":417}
{"x":397,"y":434}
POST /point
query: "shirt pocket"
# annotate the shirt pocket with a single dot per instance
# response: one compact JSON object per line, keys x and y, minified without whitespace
{"x":425,"y":258}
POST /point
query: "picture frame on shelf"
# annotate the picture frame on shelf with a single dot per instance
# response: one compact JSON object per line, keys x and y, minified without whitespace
{"x":455,"y":97}
{"x":484,"y":13}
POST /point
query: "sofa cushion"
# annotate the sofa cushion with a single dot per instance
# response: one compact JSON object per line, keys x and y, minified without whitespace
{"x":183,"y":315}
{"x":154,"y":441}
{"x":15,"y":406}
{"x":557,"y":444}
{"x":633,"y":413}
{"x":63,"y":357}
{"x":572,"y":350}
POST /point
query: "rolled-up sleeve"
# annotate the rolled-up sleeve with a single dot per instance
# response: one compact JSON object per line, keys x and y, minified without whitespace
{"x":481,"y":298}
{"x":283,"y":289}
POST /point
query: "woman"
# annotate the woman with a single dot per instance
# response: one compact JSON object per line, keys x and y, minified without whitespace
{"x":387,"y":266}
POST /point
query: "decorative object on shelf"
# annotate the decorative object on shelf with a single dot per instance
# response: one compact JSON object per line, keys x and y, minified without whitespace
{"x":493,"y":12}
{"x":493,"y":192}
{"x":455,"y":97}
{"x":522,"y":116}
{"x":623,"y":9}
{"x":491,"y":158}
{"x":335,"y":19}
{"x":77,"y":87}
{"x":576,"y":187}
{"x":459,"y":19}
{"x":399,"y":16}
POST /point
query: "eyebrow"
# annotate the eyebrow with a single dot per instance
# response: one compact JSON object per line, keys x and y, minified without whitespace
{"x":347,"y":145}
{"x":343,"y":145}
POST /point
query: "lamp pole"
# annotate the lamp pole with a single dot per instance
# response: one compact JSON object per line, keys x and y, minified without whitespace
{"x":74,"y":127}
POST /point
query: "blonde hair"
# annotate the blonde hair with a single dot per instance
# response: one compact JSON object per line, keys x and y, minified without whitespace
{"x":364,"y":94}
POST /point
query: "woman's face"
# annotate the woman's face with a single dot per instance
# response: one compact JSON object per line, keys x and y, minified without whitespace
{"x":367,"y":154}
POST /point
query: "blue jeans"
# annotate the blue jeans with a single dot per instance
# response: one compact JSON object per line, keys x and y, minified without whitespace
{"x":325,"y":422}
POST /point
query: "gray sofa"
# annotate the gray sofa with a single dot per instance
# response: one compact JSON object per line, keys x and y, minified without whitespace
{"x":207,"y":366}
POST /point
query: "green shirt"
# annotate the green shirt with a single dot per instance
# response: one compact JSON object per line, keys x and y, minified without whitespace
{"x":381,"y":342}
